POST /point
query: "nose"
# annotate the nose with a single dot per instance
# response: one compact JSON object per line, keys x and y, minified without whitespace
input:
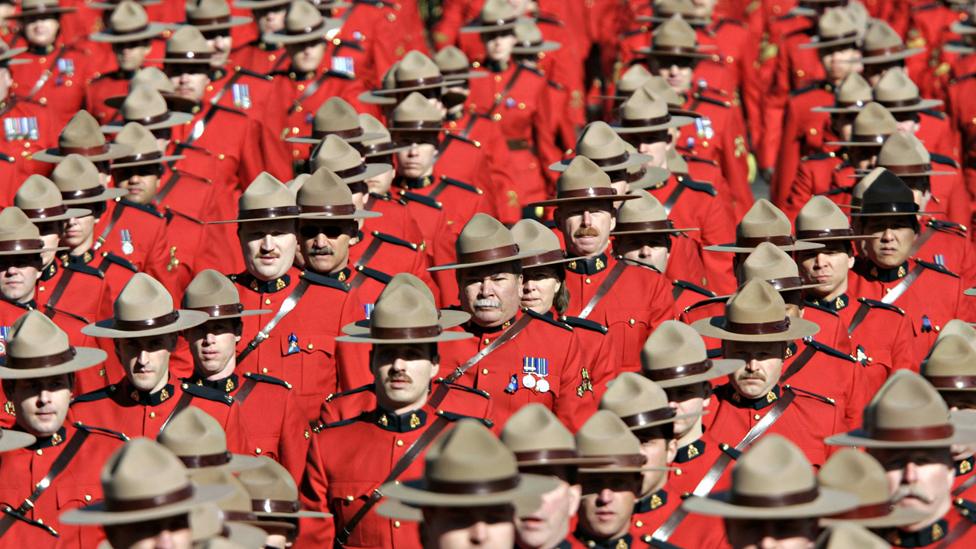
{"x":587,"y":218}
{"x":321,"y":241}
{"x":911,"y":473}
{"x":674,"y":69}
{"x":268,"y":242}
{"x":478,"y":532}
{"x":768,"y":542}
{"x":144,"y":357}
{"x":888,"y":235}
{"x":606,"y":495}
{"x":752,"y":365}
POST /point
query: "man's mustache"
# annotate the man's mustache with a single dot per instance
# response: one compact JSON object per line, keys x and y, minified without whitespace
{"x":910,"y":491}
{"x":586,"y":231}
{"x":326,"y":250}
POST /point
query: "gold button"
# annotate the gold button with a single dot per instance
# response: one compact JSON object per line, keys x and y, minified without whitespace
{"x":152,"y":415}
{"x":220,"y":156}
{"x":813,"y":131}
{"x":43,"y":60}
{"x":521,"y":106}
{"x":484,"y":371}
{"x":43,"y":101}
{"x":498,"y":77}
{"x":678,"y":472}
{"x":631,"y":322}
{"x":41,"y":289}
{"x":756,"y":417}
{"x":801,"y":73}
{"x":399,"y":443}
{"x":301,"y":87}
{"x":67,"y":83}
{"x":639,"y":524}
{"x":938,"y":328}
{"x":257,"y":451}
{"x":267,"y":301}
{"x":498,"y":96}
{"x":587,"y":280}
{"x":87,"y":497}
{"x":299,"y":109}
{"x":294,"y":130}
{"x":705,"y":144}
{"x":487,"y":341}
{"x":264,"y":370}
{"x":396,"y":524}
{"x":310,"y":346}
{"x":272,"y":57}
{"x":40,"y":452}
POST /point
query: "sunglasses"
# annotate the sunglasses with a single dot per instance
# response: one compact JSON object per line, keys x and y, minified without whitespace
{"x":331,"y":230}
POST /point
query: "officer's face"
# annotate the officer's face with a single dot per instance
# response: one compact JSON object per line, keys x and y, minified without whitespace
{"x":838,"y":64}
{"x":764,"y":364}
{"x":491,"y":294}
{"x":586,"y":226}
{"x":51,"y":236}
{"x":271,"y":20}
{"x":403,"y":373}
{"x":827,"y":266}
{"x":659,"y":452}
{"x":919,"y":479}
{"x":381,"y":184}
{"x":688,"y":399}
{"x":307,"y":56}
{"x":894,"y":244}
{"x":171,"y":533}
{"x":539,"y":287}
{"x":40,"y":404}
{"x":467,"y":527}
{"x":42,"y":32}
{"x":131,"y":55}
{"x":222,"y":44}
{"x":655,"y":144}
{"x":142,"y":182}
{"x":269,"y":247}
{"x":78,"y":231}
{"x":498,"y":47}
{"x":703,"y":8}
{"x":146,"y":360}
{"x":771,"y":534}
{"x":549,"y":525}
{"x":648,"y":249}
{"x":190,"y":85}
{"x":213,"y":344}
{"x":677,"y":75}
{"x":18,"y":276}
{"x":325,"y":243}
{"x":608,"y":503}
{"x":417,"y":161}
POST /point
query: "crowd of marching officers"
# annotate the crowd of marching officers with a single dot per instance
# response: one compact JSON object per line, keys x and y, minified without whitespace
{"x":394,"y":274}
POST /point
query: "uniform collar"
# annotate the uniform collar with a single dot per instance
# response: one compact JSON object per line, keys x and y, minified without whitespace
{"x":264,"y":46}
{"x":926,"y":536}
{"x":623,"y":542}
{"x":262,"y":286}
{"x":48,"y":272}
{"x":152,"y":399}
{"x":297,"y":76}
{"x":836,"y":304}
{"x":226,"y":385}
{"x":790,"y":349}
{"x":965,"y":466}
{"x":588,"y":265}
{"x":690,"y":452}
{"x":29,"y":306}
{"x":47,"y":442}
{"x":217,"y":74}
{"x":651,"y":502}
{"x":873,"y":272}
{"x":83,"y":259}
{"x":732,"y":397}
{"x":564,"y":544}
{"x":399,"y":423}
{"x":413,"y":182}
{"x":42,"y":50}
{"x":341,"y":276}
{"x":495,"y":66}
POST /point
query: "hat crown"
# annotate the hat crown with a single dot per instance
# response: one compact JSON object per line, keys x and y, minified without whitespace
{"x":302,"y":17}
{"x":902,"y":149}
{"x":853,"y":89}
{"x":496,"y":11}
{"x":959,"y":328}
{"x":773,"y":466}
{"x":658,"y":89}
{"x":854,"y":471}
{"x":582,"y":173}
{"x":193,"y":432}
{"x":238,"y":500}
{"x":128,"y":17}
{"x":141,"y":140}
{"x":887,"y":188}
{"x":600,"y":142}
{"x":905,"y":400}
{"x":451,"y":59}
{"x":407,"y":279}
{"x":153,"y":78}
{"x":75,"y":173}
{"x":951,"y":356}
{"x":143,"y":103}
{"x":527,"y":32}
{"x":756,"y":302}
{"x":631,"y":394}
{"x":210,"y":289}
{"x":269,"y":481}
{"x":763,"y":220}
{"x":404,"y":307}
{"x":672,"y":344}
{"x":641,"y":210}
{"x":605,"y":434}
{"x":266,"y":192}
{"x":35,"y":335}
{"x":874,"y":120}
{"x":642,"y":105}
{"x":895,"y":85}
{"x":533,"y":428}
{"x":324,"y":188}
{"x":336,"y":154}
{"x":667,"y":8}
{"x":31,"y":5}
{"x":81,"y":131}
{"x":124,"y":474}
{"x":835,"y":23}
{"x":880,"y":36}
{"x":768,"y":262}
{"x":820,"y":214}
{"x":529,"y":234}
{"x":143,"y":298}
{"x":469,"y":453}
{"x":415,"y":108}
{"x":207,"y":9}
{"x":675,"y":33}
{"x":483,"y":232}
{"x":335,"y":115}
{"x":188,"y":40}
{"x":632,"y":79}
{"x":37,"y":193}
{"x":857,"y":194}
{"x":676,"y":163}
{"x":416,"y":66}
{"x":370,"y":124}
{"x":15,"y":225}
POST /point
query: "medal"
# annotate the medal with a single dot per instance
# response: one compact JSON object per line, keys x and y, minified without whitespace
{"x":368,"y":310}
{"x":542,"y":386}
{"x":4,"y":334}
{"x":127,"y":247}
{"x":528,"y":381}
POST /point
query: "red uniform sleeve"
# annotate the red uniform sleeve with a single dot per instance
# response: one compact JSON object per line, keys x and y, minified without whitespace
{"x":313,"y":495}
{"x":572,"y":410}
{"x":293,"y":444}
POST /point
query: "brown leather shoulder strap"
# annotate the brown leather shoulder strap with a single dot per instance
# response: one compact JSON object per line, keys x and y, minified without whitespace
{"x":604,"y":288}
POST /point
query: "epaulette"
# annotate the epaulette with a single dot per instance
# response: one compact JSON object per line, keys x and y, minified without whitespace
{"x":966,"y":508}
{"x":819,"y":307}
{"x":148,"y":208}
{"x":421,"y":199}
{"x":249,"y":72}
{"x":934,"y":113}
{"x":463,"y":139}
{"x":811,"y":394}
{"x":368,"y":387}
{"x":97,"y":394}
{"x":348,"y":421}
{"x":967,"y":76}
{"x":549,"y":319}
{"x":584,"y":323}
{"x":440,"y":381}
{"x":184,"y":146}
{"x":946,"y":226}
{"x":699,"y":186}
{"x":207,"y":393}
{"x":454,"y":416}
{"x":353,"y":44}
{"x":694,"y":287}
{"x":693,"y":158}
{"x":818,"y":156}
{"x":709,"y":301}
{"x":828,"y":350}
{"x":638,"y":263}
{"x":77,"y":317}
{"x":786,"y":17}
{"x":657,"y":543}
{"x":461,"y":185}
{"x":171,"y":213}
{"x":321,"y":280}
{"x":87,"y":269}
{"x":110,"y":74}
{"x":390,"y":239}
{"x":730,"y":451}
{"x":805,"y":89}
{"x":713,"y":100}
{"x":376,"y":3}
{"x":264,"y":378}
{"x":923,"y":7}
{"x":120,"y":261}
{"x":943,"y":159}
{"x":936,"y":267}
{"x":379,"y":276}
{"x":713,"y":353}
{"x":874,"y":303}
{"x":101,"y":431}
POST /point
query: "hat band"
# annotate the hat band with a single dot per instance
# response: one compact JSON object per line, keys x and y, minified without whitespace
{"x":548,"y":257}
{"x":952,"y":382}
{"x":351,"y":132}
{"x":419,"y":81}
{"x":866,"y":511}
{"x":84,"y":151}
{"x":665,"y":50}
{"x":306,"y":30}
{"x":901,"y":102}
{"x":758,"y":328}
{"x":407,"y":125}
{"x":30,"y":363}
{"x":878,"y":138}
{"x":594,"y":192}
{"x":409,"y":332}
{"x":619,"y":159}
{"x":529,"y":44}
{"x":785,"y":283}
{"x":546,"y":455}
{"x":42,"y":213}
{"x":331,"y":209}
{"x":490,"y":254}
{"x":907,"y":434}
{"x":884,"y":51}
{"x":476,"y":488}
{"x":890,"y":207}
{"x":499,"y":22}
{"x":157,"y":322}
{"x":823,"y":233}
{"x":676,"y":372}
{"x":275,"y":506}
{"x":622,"y":460}
{"x":753,"y":241}
{"x":123,"y":505}
{"x":847,"y":104}
{"x":83,"y":193}
{"x":220,"y":310}
{"x":277,"y":211}
{"x":206,"y":460}
{"x":643,"y":418}
{"x":455,"y":72}
{"x":204,"y":55}
{"x":640,"y":122}
{"x":663,"y":224}
{"x":238,"y":516}
{"x":774,"y":500}
{"x":146,"y":120}
{"x":200,"y":21}
{"x":351,"y":172}
{"x":140,"y":157}
{"x":26,"y":245}
{"x":379,"y":148}
{"x":909,"y":169}
{"x":134,"y":30}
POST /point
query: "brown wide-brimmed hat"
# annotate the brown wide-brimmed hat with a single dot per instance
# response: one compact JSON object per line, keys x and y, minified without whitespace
{"x":8,"y":54}
{"x":303,"y":23}
{"x":529,"y":234}
{"x":19,"y":236}
{"x":886,"y":195}
{"x":771,"y":264}
{"x":640,"y":403}
{"x":496,"y":15}
{"x":213,"y":15}
{"x":213,"y":293}
{"x":958,"y":327}
{"x":145,"y":147}
{"x":883,"y":45}
{"x":607,"y":437}
{"x":467,"y":467}
{"x":236,"y":508}
{"x":872,"y":126}
{"x":414,"y":115}
{"x":383,"y":144}
{"x":950,"y":365}
{"x":907,"y":412}
{"x":455,"y":65}
{"x":856,"y":472}
{"x":273,"y":492}
{"x":109,"y":5}
{"x":144,"y":308}
{"x":820,"y":220}
{"x":265,"y":199}
{"x":324,"y":195}
{"x":836,"y":27}
{"x":387,"y":82}
{"x":208,"y":530}
{"x":658,"y":88}
{"x":485,"y":241}
{"x":40,"y":200}
{"x":157,"y":80}
{"x":446,"y":318}
{"x":630,"y":81}
{"x":665,"y":9}
{"x":128,"y":23}
{"x":601,"y":144}
{"x":15,"y":440}
{"x":643,"y":112}
{"x":756,"y":313}
{"x":853,"y":93}
{"x":335,"y":117}
{"x":529,"y":39}
{"x":35,"y":8}
{"x":82,"y":136}
{"x":187,"y":46}
{"x":143,"y":481}
{"x":338,"y":156}
{"x":79,"y":183}
{"x":198,"y":440}
{"x":645,"y":215}
{"x":583,"y":181}
{"x":773,"y":480}
{"x":147,"y":106}
{"x":675,"y":356}
{"x":845,"y":535}
{"x":763,"y":223}
{"x":897,"y":92}
{"x":905,"y":156}
{"x":37,"y":348}
{"x":675,"y":37}
{"x":538,"y":439}
{"x":416,"y":72}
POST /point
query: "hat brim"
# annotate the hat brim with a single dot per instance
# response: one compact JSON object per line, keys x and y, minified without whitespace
{"x":840,"y":238}
{"x":479,"y":29}
{"x":85,"y":357}
{"x":576,"y":461}
{"x":693,"y":21}
{"x":449,"y":318}
{"x":899,"y":516}
{"x":104,"y":328}
{"x":56,"y":10}
{"x":922,"y":105}
{"x":715,"y":327}
{"x":160,"y":160}
{"x":253,"y":220}
{"x":245,"y":535}
{"x":700,"y":53}
{"x":958,"y":48}
{"x":962,"y":29}
{"x":574,"y":200}
{"x":96,"y":513}
{"x":545,"y":46}
{"x":675,"y":122}
{"x":54,"y":155}
{"x":818,"y":45}
{"x":328,"y":27}
{"x":296,"y":514}
{"x":110,"y":193}
{"x":151,"y":31}
{"x":622,"y":469}
{"x":443,"y":337}
{"x":173,"y":118}
{"x":652,"y":177}
{"x":798,"y":246}
{"x":358,"y":214}
{"x":633,"y":160}
{"x":470,"y":75}
{"x":372,"y":170}
{"x":413,"y":493}
{"x":553,"y":262}
{"x":371,"y":98}
{"x":522,"y":254}
{"x":674,"y":230}
{"x":962,"y":434}
{"x":309,"y":140}
{"x":721,"y":367}
{"x":386,"y":152}
{"x":70,"y":213}
{"x":384,"y":92}
{"x":828,"y":502}
{"x":235,"y":21}
{"x":891,"y":57}
{"x":681,"y":417}
{"x":839,"y":110}
{"x":260,"y":5}
{"x":34,"y":251}
{"x":174,"y":103}
{"x":15,"y":440}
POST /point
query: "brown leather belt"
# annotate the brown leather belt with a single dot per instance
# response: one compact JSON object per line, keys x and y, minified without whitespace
{"x":518,"y":144}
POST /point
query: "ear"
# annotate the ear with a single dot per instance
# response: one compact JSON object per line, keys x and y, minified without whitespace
{"x":672,"y":450}
{"x":575,"y":496}
{"x":613,"y":222}
{"x":850,"y":262}
{"x":435,"y":367}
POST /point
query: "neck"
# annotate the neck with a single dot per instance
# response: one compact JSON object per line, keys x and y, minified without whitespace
{"x":84,"y":246}
{"x":265,"y":278}
{"x":28,"y":297}
{"x":399,"y":408}
{"x":159,"y":386}
{"x":224,"y":372}
{"x":840,"y":290}
{"x":692,"y":435}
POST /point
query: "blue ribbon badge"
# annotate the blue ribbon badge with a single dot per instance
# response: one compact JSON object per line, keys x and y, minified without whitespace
{"x":292,"y":344}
